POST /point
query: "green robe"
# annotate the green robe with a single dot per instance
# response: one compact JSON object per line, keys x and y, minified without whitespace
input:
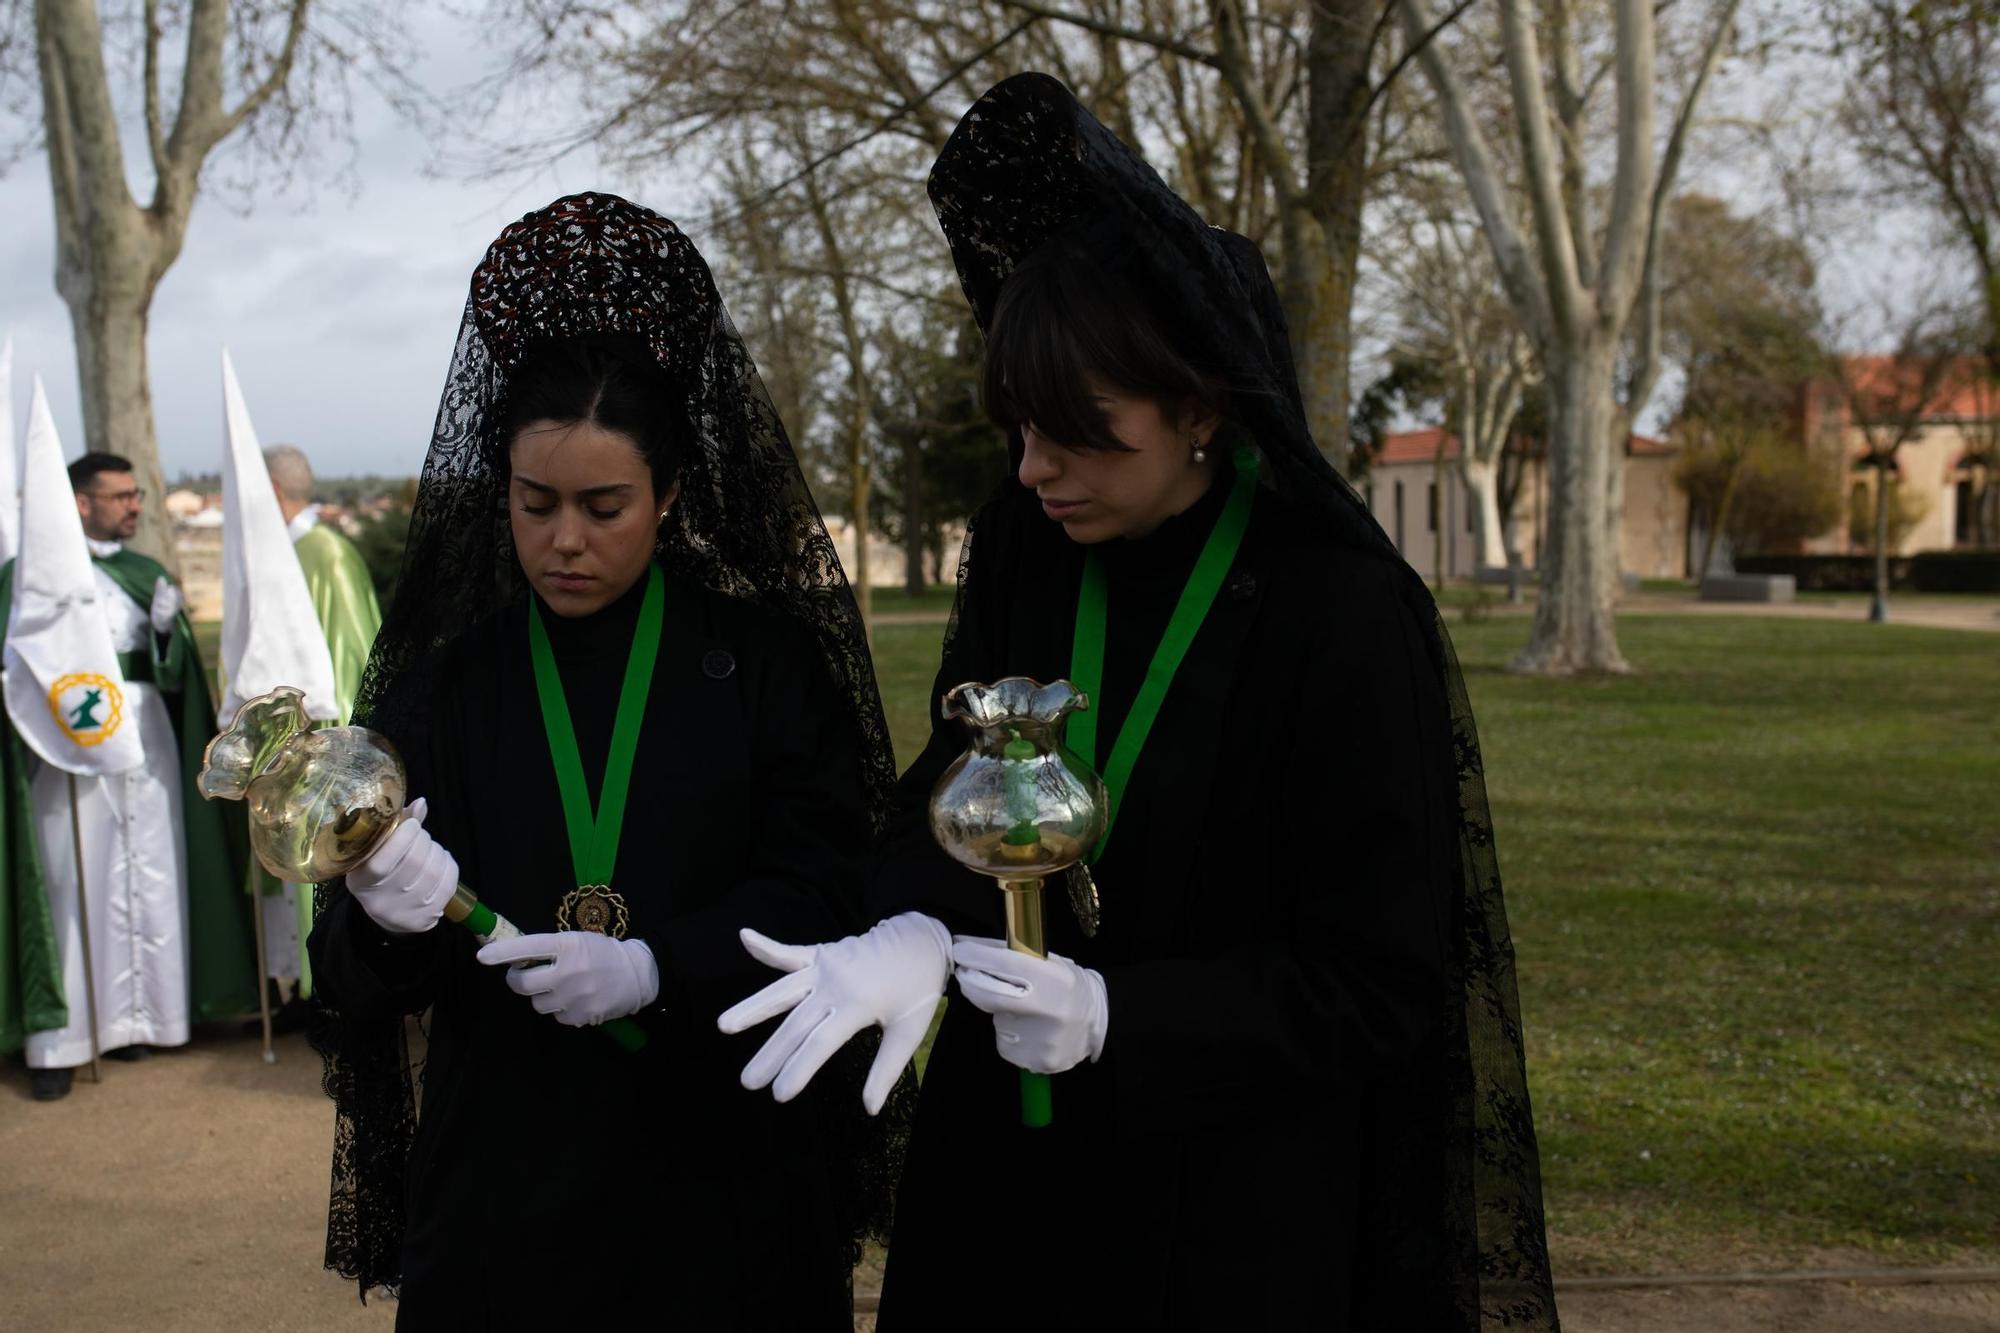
{"x":222,"y":975}
{"x":343,"y":596}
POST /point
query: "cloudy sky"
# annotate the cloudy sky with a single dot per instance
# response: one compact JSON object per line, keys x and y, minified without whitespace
{"x":339,"y":307}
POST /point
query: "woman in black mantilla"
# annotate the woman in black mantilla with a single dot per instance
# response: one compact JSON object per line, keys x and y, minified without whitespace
{"x":617,"y":593}
{"x":1288,"y":1081}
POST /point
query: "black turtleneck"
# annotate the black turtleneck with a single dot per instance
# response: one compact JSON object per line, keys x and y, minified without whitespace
{"x":1143,"y":579}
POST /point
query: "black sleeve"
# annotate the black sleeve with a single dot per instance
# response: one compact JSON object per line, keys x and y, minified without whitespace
{"x":364,"y":971}
{"x":807,"y":844}
{"x":911,"y":872}
{"x":1345,"y":982}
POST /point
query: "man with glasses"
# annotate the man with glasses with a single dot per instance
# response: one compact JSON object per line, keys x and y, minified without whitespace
{"x":168,"y":923}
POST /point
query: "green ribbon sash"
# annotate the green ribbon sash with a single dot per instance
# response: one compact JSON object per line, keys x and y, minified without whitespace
{"x":1087,"y":649}
{"x":593,"y":839}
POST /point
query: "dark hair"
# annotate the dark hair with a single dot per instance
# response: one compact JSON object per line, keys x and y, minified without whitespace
{"x":92,"y":466}
{"x":607,"y":381}
{"x":1073,"y":309}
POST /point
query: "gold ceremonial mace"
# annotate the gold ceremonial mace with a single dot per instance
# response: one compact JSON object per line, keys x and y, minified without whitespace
{"x":321,"y":801}
{"x":1018,"y":806}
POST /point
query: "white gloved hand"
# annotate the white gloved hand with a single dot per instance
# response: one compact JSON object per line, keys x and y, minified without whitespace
{"x":893,"y":976}
{"x":578,"y":977}
{"x":1049,"y":1014}
{"x":166,"y":606}
{"x":405,"y":882}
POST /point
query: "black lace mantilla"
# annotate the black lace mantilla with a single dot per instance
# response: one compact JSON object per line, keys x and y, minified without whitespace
{"x":745,"y":525}
{"x":1028,"y":162}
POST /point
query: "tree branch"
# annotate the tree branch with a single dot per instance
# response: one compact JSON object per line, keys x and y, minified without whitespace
{"x":1531,"y":116}
{"x":156,"y":134}
{"x":1629,"y":227}
{"x":1530,"y":296}
{"x":1106,"y":28}
{"x":1670,"y":161}
{"x":1231,"y":60}
{"x":195,"y":123}
{"x":274,"y":78}
{"x":73,"y":45}
{"x":1415,"y":46}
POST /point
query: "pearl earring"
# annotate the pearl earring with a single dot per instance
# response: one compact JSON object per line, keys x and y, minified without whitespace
{"x":1200,"y":453}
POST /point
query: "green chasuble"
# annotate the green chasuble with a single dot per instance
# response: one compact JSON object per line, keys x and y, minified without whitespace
{"x":31,"y":981}
{"x":222,"y":976}
{"x":343,"y":596}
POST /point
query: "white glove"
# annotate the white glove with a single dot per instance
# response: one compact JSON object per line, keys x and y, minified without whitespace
{"x":893,"y":975}
{"x":579,"y":977}
{"x":405,"y":883}
{"x":1048,"y":1014}
{"x":166,"y":606}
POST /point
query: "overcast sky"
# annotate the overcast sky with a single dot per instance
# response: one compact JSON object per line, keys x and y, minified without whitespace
{"x":339,"y":308}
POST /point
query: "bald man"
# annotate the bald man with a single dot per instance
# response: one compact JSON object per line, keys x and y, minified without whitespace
{"x":336,"y":576}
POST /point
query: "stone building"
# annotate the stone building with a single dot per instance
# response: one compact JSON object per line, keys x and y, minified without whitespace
{"x":1403,"y":491}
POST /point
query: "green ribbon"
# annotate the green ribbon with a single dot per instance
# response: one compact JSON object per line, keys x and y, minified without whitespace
{"x":1087,"y":649}
{"x":593,"y":839}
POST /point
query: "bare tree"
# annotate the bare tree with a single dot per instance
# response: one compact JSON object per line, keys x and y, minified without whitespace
{"x":1455,"y":316}
{"x":254,"y":69}
{"x":1580,"y":285}
{"x":1889,"y":398}
{"x":1740,"y":319}
{"x":839,"y":108}
{"x":1923,"y":107}
{"x":1306,"y":85}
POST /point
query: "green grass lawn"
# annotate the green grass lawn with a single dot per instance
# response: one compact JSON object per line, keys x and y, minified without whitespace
{"x":934,"y":600}
{"x":1755,"y":892}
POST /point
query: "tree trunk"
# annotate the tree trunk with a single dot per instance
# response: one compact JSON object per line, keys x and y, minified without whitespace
{"x":1319,"y":303}
{"x":857,"y":502}
{"x":1878,"y":609}
{"x":1340,"y":50}
{"x":861,"y":408}
{"x":1720,"y":519}
{"x":1437,"y":514}
{"x":1617,"y":447}
{"x":1482,"y":482}
{"x":913,"y":519}
{"x":108,"y":316}
{"x":1573,"y":628}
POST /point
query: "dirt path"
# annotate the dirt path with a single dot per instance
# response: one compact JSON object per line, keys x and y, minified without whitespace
{"x":1969,"y":613}
{"x":1820,"y":1308}
{"x":1973,"y":613}
{"x":188,"y":1193}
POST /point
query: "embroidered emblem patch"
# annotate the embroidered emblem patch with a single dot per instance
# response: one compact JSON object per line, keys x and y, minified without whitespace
{"x":88,"y":707}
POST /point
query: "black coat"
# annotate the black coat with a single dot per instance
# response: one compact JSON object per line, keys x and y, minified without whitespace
{"x":555,"y":1176}
{"x":1273,"y":946}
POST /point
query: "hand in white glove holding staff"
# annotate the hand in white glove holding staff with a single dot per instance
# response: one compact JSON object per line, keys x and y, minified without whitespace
{"x":405,"y":883}
{"x":892,"y":976}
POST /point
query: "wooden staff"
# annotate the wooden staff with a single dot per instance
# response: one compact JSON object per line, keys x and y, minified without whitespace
{"x":83,"y":928}
{"x":263,"y":971}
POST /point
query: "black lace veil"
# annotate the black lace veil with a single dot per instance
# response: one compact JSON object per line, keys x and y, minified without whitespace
{"x":592,"y":266}
{"x":1028,"y":162}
